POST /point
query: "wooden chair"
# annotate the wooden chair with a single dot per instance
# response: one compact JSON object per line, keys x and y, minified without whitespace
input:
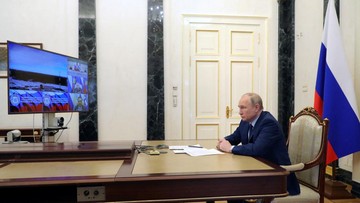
{"x":307,"y":142}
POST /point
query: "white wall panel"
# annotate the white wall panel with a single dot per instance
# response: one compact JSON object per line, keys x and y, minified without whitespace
{"x":207,"y":89}
{"x":122,"y":69}
{"x":207,"y":131}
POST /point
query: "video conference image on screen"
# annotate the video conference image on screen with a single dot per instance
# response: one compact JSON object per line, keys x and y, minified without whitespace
{"x":41,"y":81}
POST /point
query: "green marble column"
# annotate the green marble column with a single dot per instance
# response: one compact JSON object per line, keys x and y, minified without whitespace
{"x":87,"y":51}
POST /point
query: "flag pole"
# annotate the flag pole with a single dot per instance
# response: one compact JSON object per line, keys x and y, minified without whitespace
{"x":333,"y":168}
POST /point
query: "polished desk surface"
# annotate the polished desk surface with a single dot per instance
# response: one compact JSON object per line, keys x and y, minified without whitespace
{"x":171,"y":163}
{"x":164,"y":177}
{"x":87,"y":150}
{"x":33,"y":170}
{"x":65,"y":146}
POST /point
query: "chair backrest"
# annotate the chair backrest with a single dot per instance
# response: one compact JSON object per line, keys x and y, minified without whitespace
{"x":307,"y":142}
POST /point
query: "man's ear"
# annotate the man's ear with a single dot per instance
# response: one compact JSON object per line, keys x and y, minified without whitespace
{"x":257,"y":106}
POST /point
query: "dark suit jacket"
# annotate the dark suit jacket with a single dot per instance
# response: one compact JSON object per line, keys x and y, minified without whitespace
{"x":267,"y":141}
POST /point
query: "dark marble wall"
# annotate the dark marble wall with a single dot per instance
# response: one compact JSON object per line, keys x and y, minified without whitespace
{"x":286,"y":62}
{"x":87,"y":51}
{"x":155,"y":97}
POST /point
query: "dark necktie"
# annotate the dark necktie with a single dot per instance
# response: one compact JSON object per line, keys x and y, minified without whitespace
{"x":249,"y":132}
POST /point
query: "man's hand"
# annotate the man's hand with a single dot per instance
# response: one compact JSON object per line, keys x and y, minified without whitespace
{"x":224,"y":145}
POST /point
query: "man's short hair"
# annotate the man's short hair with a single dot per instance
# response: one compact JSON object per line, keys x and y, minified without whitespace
{"x":255,"y":99}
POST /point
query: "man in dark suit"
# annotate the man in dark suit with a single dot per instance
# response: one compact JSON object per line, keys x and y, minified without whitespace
{"x":266,"y":138}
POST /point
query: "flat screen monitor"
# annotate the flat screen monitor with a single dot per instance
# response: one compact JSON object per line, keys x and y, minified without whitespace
{"x":41,"y":81}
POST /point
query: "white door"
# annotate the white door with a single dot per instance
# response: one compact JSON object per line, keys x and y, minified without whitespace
{"x":222,"y":61}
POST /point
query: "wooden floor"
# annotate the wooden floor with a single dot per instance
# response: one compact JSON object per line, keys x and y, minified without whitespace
{"x":326,"y":201}
{"x":342,"y":200}
{"x":355,"y":200}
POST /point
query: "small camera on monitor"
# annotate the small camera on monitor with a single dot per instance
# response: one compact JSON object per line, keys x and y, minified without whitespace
{"x":60,"y":121}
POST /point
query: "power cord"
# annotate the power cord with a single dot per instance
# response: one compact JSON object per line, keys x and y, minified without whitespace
{"x":33,"y":130}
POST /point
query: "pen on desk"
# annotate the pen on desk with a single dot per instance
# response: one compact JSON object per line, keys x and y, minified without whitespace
{"x":195,"y":146}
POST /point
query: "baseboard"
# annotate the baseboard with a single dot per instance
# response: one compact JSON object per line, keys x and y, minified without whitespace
{"x":355,"y":190}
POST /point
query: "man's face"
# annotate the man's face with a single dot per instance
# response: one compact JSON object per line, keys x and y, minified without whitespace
{"x":247,"y":111}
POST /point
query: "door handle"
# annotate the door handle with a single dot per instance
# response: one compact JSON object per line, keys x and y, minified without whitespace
{"x":228,"y":111}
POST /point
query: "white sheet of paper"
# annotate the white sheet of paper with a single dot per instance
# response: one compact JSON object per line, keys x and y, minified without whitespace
{"x":179,"y":151}
{"x":175,"y":147}
{"x":178,"y":147}
{"x":192,"y":151}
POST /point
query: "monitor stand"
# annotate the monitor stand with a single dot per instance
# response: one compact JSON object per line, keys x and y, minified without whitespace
{"x":49,"y":127}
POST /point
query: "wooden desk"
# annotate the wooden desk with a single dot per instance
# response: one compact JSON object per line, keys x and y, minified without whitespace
{"x":160,"y":178}
{"x":74,"y":151}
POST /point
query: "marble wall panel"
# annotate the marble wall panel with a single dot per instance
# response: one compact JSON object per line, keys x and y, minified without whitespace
{"x":155,"y":81}
{"x":88,"y":121}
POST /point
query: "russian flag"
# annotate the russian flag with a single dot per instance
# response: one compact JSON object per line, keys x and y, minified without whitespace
{"x":334,"y":92}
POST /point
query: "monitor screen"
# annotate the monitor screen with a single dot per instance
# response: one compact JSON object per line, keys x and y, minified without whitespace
{"x":41,"y":81}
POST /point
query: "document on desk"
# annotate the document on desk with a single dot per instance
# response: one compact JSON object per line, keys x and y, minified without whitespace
{"x":194,"y":150}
